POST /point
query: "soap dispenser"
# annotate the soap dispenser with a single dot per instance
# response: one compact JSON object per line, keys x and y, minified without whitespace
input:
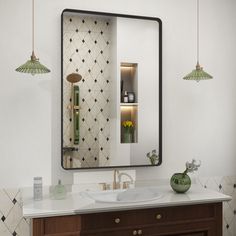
{"x":59,"y":191}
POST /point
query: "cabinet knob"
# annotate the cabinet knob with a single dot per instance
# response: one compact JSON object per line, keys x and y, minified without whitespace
{"x":140,"y":232}
{"x":135,"y":232}
{"x":117,"y":220}
{"x":158,"y":216}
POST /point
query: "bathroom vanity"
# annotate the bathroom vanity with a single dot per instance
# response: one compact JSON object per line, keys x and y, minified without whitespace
{"x":196,"y":213}
{"x":194,"y":220}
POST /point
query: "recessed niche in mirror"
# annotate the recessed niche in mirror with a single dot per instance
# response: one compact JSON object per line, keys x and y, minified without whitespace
{"x":111,"y":90}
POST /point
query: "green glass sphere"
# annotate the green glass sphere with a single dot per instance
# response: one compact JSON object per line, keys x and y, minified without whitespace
{"x":180,"y":182}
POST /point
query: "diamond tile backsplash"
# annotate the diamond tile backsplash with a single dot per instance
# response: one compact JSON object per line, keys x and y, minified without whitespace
{"x":86,"y":50}
{"x":12,"y":222}
{"x":226,"y":185}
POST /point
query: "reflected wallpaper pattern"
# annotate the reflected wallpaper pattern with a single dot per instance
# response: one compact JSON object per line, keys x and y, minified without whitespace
{"x":86,"y":49}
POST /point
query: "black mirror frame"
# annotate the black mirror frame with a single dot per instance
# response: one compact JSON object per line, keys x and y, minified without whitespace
{"x":160,"y":84}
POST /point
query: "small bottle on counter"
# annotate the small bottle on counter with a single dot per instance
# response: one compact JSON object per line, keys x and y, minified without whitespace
{"x":59,"y":191}
{"x":38,"y":188}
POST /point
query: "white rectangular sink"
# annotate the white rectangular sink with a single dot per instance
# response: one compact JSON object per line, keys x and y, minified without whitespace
{"x":133,"y":195}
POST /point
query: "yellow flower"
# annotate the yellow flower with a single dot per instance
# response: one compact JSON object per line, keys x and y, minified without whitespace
{"x":127,"y":124}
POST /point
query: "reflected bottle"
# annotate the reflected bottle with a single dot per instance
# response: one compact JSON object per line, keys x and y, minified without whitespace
{"x":126,"y":98}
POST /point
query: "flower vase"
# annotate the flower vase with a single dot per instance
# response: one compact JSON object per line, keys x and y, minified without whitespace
{"x":127,"y":136}
{"x":180,"y":182}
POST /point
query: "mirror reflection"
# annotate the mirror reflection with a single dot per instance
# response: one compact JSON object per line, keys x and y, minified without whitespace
{"x":111,"y":93}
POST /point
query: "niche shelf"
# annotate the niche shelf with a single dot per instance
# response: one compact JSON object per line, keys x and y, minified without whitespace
{"x":129,"y":104}
{"x":129,"y":101}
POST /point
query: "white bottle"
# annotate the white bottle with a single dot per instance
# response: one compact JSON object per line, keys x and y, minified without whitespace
{"x":38,"y":188}
{"x":125,"y":98}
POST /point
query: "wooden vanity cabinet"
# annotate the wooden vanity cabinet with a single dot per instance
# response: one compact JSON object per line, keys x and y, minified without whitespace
{"x":189,"y":220}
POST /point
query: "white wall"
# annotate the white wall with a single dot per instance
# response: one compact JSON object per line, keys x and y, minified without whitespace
{"x":141,"y":47}
{"x":199,"y":120}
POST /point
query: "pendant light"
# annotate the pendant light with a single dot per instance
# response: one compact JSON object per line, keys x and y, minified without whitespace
{"x":198,"y":73}
{"x":33,"y":66}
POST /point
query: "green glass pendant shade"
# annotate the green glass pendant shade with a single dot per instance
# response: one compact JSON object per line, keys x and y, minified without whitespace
{"x":198,"y":74}
{"x":33,"y":66}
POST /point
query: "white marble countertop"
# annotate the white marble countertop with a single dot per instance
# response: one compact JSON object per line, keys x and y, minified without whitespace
{"x":77,"y":204}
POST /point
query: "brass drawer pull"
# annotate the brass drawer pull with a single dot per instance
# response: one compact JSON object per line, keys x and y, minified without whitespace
{"x":140,"y":232}
{"x":135,"y":232}
{"x":117,"y":220}
{"x":158,"y":216}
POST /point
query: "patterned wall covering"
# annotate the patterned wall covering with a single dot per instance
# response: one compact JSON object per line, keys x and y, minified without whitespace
{"x":86,"y":50}
{"x":12,"y":222}
{"x":226,"y":185}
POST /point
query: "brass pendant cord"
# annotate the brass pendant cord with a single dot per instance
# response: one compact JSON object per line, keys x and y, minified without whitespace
{"x":33,"y":66}
{"x":33,"y":57}
{"x":32,"y":25}
{"x":198,"y":73}
{"x":197,"y":31}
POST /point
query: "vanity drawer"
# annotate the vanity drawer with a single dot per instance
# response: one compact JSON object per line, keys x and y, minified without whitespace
{"x":176,"y":214}
{"x":62,"y":224}
{"x":147,"y":216}
{"x":191,"y":229}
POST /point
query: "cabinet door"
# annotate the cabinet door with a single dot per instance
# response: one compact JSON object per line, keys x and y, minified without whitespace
{"x":194,"y":234}
{"x":188,"y":229}
{"x":146,"y":231}
{"x":53,"y":226}
{"x":137,"y":232}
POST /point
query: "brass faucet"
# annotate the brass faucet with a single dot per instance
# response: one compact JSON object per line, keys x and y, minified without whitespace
{"x":126,"y":184}
{"x":117,"y":180}
{"x":116,"y":184}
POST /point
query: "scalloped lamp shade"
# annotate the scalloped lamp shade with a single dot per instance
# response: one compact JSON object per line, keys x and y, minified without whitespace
{"x":198,"y":74}
{"x":33,"y":66}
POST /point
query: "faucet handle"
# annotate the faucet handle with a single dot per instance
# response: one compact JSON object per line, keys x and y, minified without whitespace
{"x":126,"y":184}
{"x":116,"y":185}
{"x":108,"y":187}
{"x":103,"y":186}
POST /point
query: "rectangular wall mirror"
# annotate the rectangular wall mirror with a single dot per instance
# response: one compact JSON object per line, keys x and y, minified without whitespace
{"x":111,"y":90}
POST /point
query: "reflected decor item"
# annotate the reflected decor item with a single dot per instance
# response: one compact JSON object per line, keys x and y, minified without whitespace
{"x":128,"y":126}
{"x":198,"y":73}
{"x":125,"y":97}
{"x":181,"y":182}
{"x":153,"y":157}
{"x":74,"y":106}
{"x":127,"y":137}
{"x":131,"y":97}
{"x":33,"y":66}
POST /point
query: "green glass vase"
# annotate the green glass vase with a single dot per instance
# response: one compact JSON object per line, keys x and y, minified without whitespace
{"x":127,"y":136}
{"x":180,"y":182}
